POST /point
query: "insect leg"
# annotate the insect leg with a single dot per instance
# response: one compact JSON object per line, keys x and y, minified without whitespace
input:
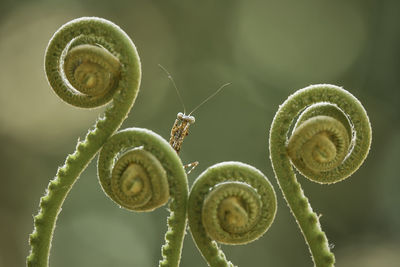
{"x":191,"y":166}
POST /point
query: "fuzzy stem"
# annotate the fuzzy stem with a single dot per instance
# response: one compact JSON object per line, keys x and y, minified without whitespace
{"x":307,"y":220}
{"x":177,"y":181}
{"x":231,"y":203}
{"x":113,"y":40}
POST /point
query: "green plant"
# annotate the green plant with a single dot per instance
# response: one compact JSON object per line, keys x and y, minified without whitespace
{"x":91,"y":62}
{"x":329,"y":142}
{"x":231,"y":203}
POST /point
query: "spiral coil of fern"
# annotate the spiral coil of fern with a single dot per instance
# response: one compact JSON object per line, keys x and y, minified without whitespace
{"x":230,"y":203}
{"x":93,"y":71}
{"x":330,"y":141}
{"x":89,"y":62}
{"x":147,"y":171}
{"x":138,"y":181}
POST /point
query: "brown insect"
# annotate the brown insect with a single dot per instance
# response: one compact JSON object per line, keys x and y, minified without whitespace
{"x":180,"y":129}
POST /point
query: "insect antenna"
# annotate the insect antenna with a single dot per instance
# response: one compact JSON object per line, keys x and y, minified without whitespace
{"x":176,"y":88}
{"x":208,"y":98}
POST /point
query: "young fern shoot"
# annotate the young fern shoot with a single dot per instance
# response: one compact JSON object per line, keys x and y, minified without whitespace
{"x":230,"y":203}
{"x":329,"y":142}
{"x":89,"y":62}
{"x":140,"y":171}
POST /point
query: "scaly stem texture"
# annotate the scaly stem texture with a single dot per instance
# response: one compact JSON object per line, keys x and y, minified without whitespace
{"x":110,"y":70}
{"x":329,"y":142}
{"x":231,"y":203}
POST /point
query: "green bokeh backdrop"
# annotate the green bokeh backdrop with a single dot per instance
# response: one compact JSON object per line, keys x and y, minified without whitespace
{"x":267,"y":50}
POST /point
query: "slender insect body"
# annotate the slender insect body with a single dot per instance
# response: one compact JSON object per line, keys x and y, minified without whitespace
{"x":180,"y":130}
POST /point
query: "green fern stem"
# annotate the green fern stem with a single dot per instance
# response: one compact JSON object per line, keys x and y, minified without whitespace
{"x":139,"y":170}
{"x":89,"y":62}
{"x":230,"y":203}
{"x":329,"y":142}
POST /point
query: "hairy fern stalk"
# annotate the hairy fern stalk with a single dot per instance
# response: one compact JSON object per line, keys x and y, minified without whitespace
{"x":329,"y":142}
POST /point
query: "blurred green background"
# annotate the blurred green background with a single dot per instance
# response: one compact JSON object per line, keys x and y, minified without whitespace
{"x":267,"y":50}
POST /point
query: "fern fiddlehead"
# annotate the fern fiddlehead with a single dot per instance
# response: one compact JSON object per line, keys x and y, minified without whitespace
{"x":89,"y":62}
{"x":147,"y":170}
{"x":230,"y":203}
{"x":329,"y":142}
